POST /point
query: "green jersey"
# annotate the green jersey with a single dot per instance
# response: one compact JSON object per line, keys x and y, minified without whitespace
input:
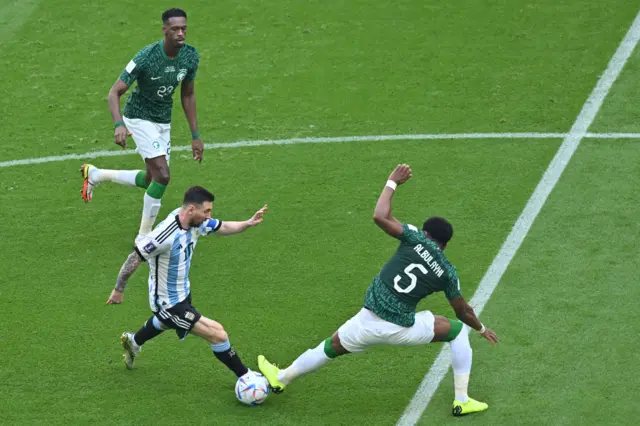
{"x":158,"y":77}
{"x":417,"y":269}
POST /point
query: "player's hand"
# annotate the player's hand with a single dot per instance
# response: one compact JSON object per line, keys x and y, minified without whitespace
{"x":257,"y":217}
{"x":115,"y":298}
{"x":198,"y":148}
{"x":490,"y":336}
{"x":121,"y":134}
{"x":401,"y":174}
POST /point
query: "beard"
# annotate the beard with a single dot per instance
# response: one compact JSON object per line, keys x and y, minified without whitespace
{"x":195,"y":224}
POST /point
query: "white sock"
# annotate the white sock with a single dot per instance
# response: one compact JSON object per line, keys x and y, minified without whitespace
{"x":309,"y":361}
{"x":123,"y":177}
{"x":150,"y":211}
{"x":461,"y":355}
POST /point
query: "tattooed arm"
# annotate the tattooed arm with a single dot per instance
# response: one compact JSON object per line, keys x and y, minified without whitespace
{"x":128,"y":268}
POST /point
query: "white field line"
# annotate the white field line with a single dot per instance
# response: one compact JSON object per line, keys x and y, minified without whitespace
{"x":612,"y":135}
{"x":438,"y":370}
{"x":294,"y":141}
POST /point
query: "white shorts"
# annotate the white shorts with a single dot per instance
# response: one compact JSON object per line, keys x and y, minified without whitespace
{"x":365,"y":329}
{"x":152,"y":139}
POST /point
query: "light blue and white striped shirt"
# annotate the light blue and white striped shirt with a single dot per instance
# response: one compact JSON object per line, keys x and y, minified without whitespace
{"x":169,"y":249}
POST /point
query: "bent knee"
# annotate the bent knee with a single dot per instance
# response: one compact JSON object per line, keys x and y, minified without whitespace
{"x":441,"y":329}
{"x":336,"y":345}
{"x":162,"y":176}
{"x":218,"y":335}
{"x":159,"y":170}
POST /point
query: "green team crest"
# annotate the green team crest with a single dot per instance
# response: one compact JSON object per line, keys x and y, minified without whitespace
{"x":182,"y":74}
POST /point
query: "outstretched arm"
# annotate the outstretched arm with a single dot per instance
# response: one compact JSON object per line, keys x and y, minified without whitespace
{"x":465,"y":313}
{"x":126,"y":271}
{"x":230,"y":228}
{"x":382,"y":214}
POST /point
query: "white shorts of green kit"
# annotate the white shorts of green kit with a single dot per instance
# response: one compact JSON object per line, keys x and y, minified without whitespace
{"x":152,"y":139}
{"x":366,"y":329}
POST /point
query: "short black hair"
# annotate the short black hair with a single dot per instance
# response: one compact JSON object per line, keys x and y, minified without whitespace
{"x":439,"y":229}
{"x":173,"y":13}
{"x":197,"y":195}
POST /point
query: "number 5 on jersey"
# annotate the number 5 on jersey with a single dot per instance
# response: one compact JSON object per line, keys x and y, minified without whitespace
{"x":412,"y":277}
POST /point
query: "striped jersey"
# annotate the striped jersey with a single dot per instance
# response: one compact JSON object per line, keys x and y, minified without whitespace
{"x":168,"y":249}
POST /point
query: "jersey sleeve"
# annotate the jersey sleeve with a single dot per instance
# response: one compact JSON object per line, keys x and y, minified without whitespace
{"x":134,"y":68}
{"x":193,"y":69}
{"x":411,"y":234}
{"x":209,"y":227}
{"x":153,"y":244}
{"x":452,"y":290}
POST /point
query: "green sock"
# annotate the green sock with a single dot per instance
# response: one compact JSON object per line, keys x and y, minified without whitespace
{"x":456,"y":327}
{"x":155,"y":189}
{"x":328,"y":349}
{"x":140,"y":180}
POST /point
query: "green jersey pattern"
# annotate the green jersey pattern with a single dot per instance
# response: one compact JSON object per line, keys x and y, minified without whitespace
{"x":417,"y":269}
{"x":158,"y":77}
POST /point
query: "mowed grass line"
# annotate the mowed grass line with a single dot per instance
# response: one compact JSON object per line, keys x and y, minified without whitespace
{"x":278,"y":289}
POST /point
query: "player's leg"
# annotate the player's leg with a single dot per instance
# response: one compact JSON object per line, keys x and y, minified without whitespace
{"x":457,"y":334}
{"x":132,"y":343}
{"x":185,"y":319}
{"x":93,"y":176}
{"x":158,"y":168}
{"x":157,"y":155}
{"x":309,"y":361}
{"x":213,"y":332}
{"x":352,"y":336}
{"x":144,"y":134}
{"x":147,"y":175}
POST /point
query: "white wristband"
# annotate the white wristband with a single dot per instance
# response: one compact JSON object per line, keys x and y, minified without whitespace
{"x":391,"y":184}
{"x":483,"y":329}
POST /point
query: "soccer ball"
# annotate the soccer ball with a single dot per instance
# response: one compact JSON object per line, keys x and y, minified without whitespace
{"x":252,"y":388}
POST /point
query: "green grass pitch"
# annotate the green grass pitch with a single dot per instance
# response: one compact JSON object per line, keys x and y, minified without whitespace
{"x":565,"y":309}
